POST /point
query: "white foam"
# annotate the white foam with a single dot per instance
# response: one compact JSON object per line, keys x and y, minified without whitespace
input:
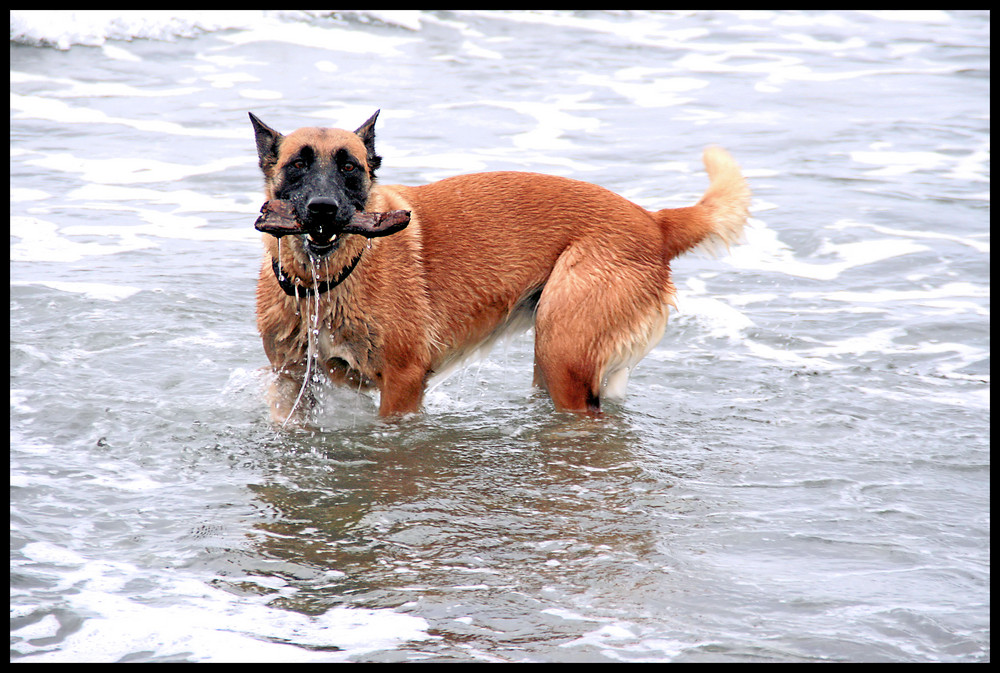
{"x":65,"y":28}
{"x":137,"y":485}
{"x":92,"y":290}
{"x":647,"y":87}
{"x":227,"y":80}
{"x":438,"y":165}
{"x":71,"y":88}
{"x":934,"y":16}
{"x":21,"y":194}
{"x":213,"y":627}
{"x":472,"y":49}
{"x":793,"y":70}
{"x":50,"y":109}
{"x":261,"y":94}
{"x":885,"y":342}
{"x":160,"y":225}
{"x":900,"y":163}
{"x":118,"y":54}
{"x":722,"y":320}
{"x":878,"y":341}
{"x":913,"y":233}
{"x":47,"y":627}
{"x":184,"y":618}
{"x":553,"y":120}
{"x":976,"y":399}
{"x":624,"y":642}
{"x":185,"y":200}
{"x":569,"y":615}
{"x":787,"y":358}
{"x":765,"y":252}
{"x":131,"y":170}
{"x":410,"y":19}
{"x":40,"y":241}
{"x":918,"y":295}
{"x":44,"y":552}
{"x":327,"y":38}
{"x":640,"y":28}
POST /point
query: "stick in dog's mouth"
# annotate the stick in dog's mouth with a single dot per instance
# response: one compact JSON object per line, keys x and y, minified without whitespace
{"x":278,"y":219}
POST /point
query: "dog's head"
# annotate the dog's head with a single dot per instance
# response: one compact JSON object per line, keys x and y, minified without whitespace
{"x":326,"y":174}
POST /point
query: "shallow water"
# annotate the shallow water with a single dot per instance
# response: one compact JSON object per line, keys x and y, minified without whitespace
{"x":800,"y":471}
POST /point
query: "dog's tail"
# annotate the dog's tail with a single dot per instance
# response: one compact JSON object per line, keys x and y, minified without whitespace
{"x":719,"y":216}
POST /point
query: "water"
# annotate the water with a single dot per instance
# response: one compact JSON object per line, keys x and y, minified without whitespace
{"x":800,"y":471}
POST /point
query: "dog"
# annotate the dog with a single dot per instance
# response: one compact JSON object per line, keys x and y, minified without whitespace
{"x":480,"y":255}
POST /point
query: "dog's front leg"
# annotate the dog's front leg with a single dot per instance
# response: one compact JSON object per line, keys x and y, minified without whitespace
{"x":283,"y":393}
{"x":402,"y":389}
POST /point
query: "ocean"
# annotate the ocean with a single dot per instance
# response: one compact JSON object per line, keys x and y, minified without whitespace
{"x":800,"y":471}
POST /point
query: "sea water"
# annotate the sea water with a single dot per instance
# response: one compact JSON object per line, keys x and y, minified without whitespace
{"x":800,"y":471}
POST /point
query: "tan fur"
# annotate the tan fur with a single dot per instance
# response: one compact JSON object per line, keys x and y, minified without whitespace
{"x":479,"y":251}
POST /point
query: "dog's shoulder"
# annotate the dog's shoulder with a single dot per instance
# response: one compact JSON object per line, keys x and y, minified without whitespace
{"x":384,"y":198}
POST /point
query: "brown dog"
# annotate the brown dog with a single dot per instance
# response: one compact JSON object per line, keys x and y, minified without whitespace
{"x":481,"y":254}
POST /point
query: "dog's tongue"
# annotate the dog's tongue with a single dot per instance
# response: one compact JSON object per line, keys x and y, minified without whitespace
{"x":278,"y":219}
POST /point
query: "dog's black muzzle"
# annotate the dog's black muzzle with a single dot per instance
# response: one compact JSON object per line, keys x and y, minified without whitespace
{"x":324,"y":209}
{"x":325,"y":218}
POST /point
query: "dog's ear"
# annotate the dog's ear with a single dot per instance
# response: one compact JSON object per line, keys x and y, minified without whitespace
{"x":267,"y":142}
{"x":367,"y":134}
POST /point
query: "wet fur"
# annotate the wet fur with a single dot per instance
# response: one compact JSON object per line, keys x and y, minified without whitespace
{"x":483,"y":253}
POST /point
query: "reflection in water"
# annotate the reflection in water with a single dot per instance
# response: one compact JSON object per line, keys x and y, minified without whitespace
{"x":429,"y":509}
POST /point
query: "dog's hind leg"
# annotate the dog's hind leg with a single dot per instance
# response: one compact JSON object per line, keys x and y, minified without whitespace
{"x":596,"y":318}
{"x":568,"y":336}
{"x":565,"y":367}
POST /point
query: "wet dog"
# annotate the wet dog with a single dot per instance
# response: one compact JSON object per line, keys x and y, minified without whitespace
{"x":467,"y":259}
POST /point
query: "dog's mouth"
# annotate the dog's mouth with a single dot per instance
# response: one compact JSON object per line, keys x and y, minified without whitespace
{"x":319,"y":246}
{"x":322,"y":234}
{"x":278,"y":219}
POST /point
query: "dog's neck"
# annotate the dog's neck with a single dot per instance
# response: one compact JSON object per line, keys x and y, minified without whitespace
{"x":295,"y":290}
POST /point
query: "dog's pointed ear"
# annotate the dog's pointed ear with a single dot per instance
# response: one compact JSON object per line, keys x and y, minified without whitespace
{"x":367,"y":134}
{"x":267,"y":142}
{"x":367,"y":131}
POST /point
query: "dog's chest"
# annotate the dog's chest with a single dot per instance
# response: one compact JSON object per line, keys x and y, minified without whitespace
{"x":350,"y":340}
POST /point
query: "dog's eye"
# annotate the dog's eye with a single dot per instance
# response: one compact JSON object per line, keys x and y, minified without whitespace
{"x":299,"y":164}
{"x":348,"y":167}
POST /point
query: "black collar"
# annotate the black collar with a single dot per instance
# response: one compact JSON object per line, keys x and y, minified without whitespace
{"x":293,"y":290}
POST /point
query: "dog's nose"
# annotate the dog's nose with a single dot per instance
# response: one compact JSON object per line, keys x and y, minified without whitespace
{"x":323,"y":207}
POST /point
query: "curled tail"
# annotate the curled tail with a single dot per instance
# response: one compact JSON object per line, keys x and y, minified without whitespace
{"x":717,"y":218}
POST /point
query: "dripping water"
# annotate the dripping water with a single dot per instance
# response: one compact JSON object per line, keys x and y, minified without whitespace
{"x":312,"y":331}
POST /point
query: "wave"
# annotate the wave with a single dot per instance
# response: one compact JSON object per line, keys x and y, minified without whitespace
{"x":65,"y":29}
